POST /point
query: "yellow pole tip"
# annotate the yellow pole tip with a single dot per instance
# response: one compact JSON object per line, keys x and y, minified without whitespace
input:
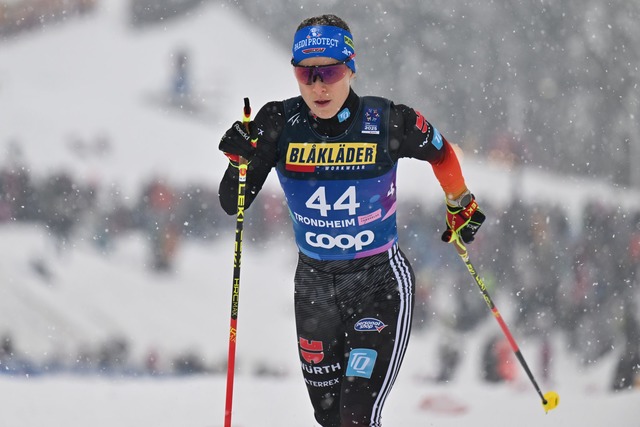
{"x":552,"y":399}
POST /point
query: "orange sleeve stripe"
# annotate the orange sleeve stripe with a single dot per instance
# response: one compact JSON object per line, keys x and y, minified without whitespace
{"x":448,"y":172}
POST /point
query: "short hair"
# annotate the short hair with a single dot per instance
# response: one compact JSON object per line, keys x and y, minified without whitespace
{"x":329,"y":19}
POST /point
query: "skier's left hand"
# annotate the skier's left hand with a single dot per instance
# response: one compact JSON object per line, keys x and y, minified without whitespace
{"x":463,"y":221}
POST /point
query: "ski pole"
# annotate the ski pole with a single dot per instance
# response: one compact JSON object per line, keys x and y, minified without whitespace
{"x":235,"y":290}
{"x":550,"y":399}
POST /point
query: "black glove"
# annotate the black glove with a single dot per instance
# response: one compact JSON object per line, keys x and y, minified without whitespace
{"x":463,"y":221}
{"x":237,"y":142}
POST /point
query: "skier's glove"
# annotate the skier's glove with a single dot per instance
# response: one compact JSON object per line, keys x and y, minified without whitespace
{"x":237,"y":142}
{"x":463,"y":220}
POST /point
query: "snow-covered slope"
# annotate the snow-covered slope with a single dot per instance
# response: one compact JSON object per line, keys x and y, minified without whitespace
{"x":99,"y":77}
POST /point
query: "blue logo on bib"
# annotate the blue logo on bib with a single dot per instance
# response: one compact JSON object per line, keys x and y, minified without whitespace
{"x":361,"y":362}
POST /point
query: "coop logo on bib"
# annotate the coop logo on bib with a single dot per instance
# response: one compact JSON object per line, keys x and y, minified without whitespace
{"x":343,"y":241}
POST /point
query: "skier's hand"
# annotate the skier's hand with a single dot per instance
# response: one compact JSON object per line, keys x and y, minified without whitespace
{"x":237,"y":142}
{"x":463,"y":221}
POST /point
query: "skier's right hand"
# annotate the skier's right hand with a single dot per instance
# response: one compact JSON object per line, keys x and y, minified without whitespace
{"x":237,"y":142}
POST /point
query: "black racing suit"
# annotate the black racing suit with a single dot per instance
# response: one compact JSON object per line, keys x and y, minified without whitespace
{"x":353,"y":286}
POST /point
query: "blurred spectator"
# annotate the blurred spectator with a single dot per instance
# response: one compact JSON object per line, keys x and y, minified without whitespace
{"x":17,"y":198}
{"x":180,"y":88}
{"x":498,"y":363}
{"x":159,"y":213}
{"x":16,"y":195}
{"x":448,"y":357}
{"x":507,"y":149}
{"x":627,"y":371}
{"x":59,"y":208}
{"x":189,"y":363}
{"x":113,"y":357}
{"x":11,"y":361}
{"x":152,"y":365}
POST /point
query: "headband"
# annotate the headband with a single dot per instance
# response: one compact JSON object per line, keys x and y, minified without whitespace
{"x":324,"y":40}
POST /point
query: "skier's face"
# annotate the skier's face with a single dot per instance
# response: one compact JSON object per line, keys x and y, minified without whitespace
{"x":325,"y":98}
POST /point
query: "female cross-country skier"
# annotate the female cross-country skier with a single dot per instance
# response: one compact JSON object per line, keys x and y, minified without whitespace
{"x":336,"y":155}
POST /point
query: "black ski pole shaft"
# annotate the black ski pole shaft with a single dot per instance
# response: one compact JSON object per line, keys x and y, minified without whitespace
{"x":235,"y":289}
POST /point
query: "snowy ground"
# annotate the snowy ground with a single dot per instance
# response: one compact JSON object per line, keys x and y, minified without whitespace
{"x":92,"y":297}
{"x":199,"y":402}
{"x":99,"y":77}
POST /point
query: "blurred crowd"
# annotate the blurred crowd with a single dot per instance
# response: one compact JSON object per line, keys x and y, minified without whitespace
{"x":111,"y":357}
{"x":577,"y":279}
{"x":165,"y":212}
{"x":553,"y":274}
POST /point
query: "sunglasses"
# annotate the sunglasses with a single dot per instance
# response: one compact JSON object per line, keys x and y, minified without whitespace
{"x":328,"y":74}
